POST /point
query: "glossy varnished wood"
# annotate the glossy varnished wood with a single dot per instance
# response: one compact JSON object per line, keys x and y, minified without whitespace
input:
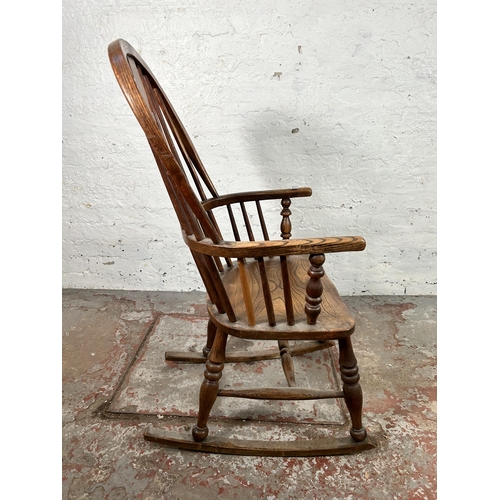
{"x":314,"y":288}
{"x":280,"y":393}
{"x":303,"y":246}
{"x":336,"y":319}
{"x":298,"y":349}
{"x":303,"y":448}
{"x":268,"y":289}
{"x":245,"y":196}
{"x":287,"y":362}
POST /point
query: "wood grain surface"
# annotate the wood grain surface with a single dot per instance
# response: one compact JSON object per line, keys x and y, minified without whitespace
{"x":335,"y":320}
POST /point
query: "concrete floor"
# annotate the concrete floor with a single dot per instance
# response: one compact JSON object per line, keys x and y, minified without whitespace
{"x":115,"y":385}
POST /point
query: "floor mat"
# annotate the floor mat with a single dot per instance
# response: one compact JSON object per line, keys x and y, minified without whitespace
{"x":155,"y":387}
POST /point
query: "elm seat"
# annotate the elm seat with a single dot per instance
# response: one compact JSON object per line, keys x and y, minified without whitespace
{"x":257,"y":288}
{"x":335,"y":316}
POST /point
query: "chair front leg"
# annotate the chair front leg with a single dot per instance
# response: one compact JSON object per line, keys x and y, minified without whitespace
{"x":210,"y":386}
{"x":353,"y":394}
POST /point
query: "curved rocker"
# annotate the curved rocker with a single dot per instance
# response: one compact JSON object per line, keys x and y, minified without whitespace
{"x":244,"y":356}
{"x":302,"y":448}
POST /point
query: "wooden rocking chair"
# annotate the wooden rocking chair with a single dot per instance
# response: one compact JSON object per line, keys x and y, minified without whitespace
{"x":266,"y":290}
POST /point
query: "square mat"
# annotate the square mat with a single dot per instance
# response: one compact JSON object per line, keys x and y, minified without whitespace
{"x":153,"y":386}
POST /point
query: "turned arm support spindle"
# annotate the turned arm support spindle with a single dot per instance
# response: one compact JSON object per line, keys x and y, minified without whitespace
{"x":314,"y":287}
{"x":286,"y":225}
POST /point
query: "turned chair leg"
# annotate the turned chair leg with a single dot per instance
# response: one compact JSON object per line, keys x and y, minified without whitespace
{"x":211,"y":331}
{"x":353,"y":394}
{"x":210,"y":386}
{"x":287,"y":362}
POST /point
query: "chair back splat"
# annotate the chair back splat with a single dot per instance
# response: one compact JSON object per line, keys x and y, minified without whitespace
{"x":257,"y":288}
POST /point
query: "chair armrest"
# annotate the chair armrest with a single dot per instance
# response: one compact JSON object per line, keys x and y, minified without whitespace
{"x":249,"y":249}
{"x":274,"y":194}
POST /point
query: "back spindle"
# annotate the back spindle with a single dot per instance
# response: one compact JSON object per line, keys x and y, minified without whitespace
{"x":287,"y":291}
{"x":262,"y":221}
{"x":247,"y":222}
{"x":268,"y":300}
{"x":247,"y":296}
{"x":234,"y":226}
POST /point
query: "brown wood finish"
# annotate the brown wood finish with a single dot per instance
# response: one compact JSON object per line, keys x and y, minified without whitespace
{"x":280,"y":393}
{"x":266,"y":292}
{"x":314,"y":288}
{"x":335,"y":316}
{"x":246,"y":357}
{"x":280,"y":299}
{"x":248,"y":249}
{"x":245,"y":290}
{"x":319,"y":447}
{"x":262,"y":221}
{"x":286,"y":286}
{"x":210,"y":386}
{"x":286,"y":224}
{"x":246,"y":196}
{"x":287,"y":362}
{"x":211,"y":331}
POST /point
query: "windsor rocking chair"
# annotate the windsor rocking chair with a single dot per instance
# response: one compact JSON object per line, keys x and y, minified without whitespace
{"x":256,"y":289}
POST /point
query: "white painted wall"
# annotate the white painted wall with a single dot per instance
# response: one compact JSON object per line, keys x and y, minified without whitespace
{"x":357,"y":78}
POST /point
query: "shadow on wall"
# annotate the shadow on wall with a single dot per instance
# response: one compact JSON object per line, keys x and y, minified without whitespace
{"x":279,"y":151}
{"x":288,"y":151}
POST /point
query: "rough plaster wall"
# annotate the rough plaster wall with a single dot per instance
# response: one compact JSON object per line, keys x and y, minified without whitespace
{"x":357,"y":79}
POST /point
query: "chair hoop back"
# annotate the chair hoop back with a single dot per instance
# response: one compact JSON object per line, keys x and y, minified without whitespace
{"x":171,"y":145}
{"x":175,"y":155}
